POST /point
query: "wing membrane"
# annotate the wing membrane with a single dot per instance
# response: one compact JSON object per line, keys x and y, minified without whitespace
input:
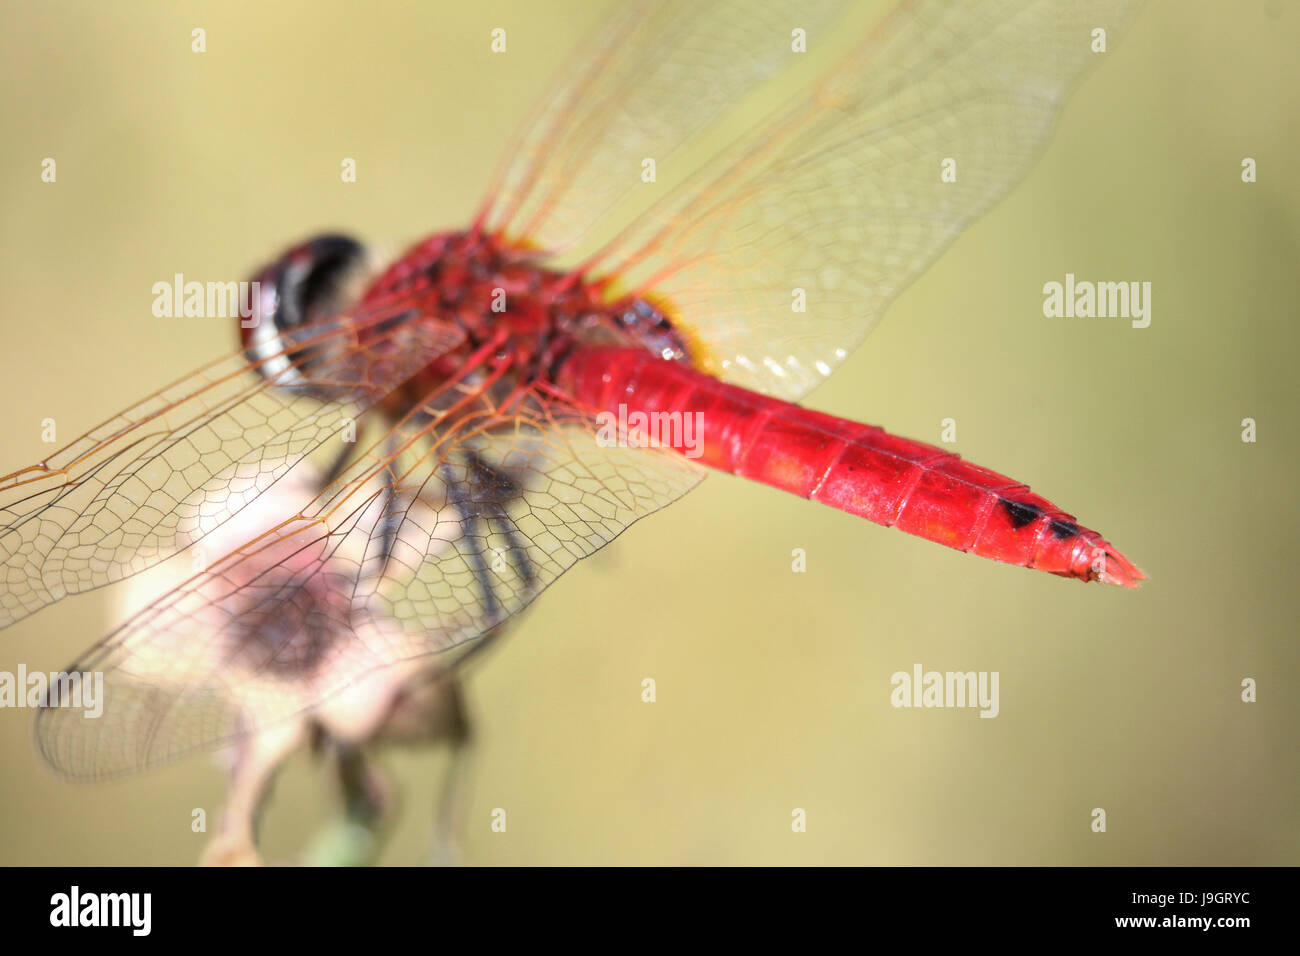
{"x":156,"y":478}
{"x":843,"y":198}
{"x":837,"y":198}
{"x":407,"y":556}
{"x":658,"y":75}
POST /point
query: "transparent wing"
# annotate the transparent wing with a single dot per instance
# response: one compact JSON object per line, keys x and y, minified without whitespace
{"x":410,"y":554}
{"x":656,"y":76}
{"x":783,"y":252}
{"x":156,"y":478}
{"x":784,"y":264}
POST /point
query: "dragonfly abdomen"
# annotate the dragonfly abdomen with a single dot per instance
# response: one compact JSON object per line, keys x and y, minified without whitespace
{"x":862,"y":469}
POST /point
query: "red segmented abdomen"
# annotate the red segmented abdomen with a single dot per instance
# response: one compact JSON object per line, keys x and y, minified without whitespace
{"x":861,"y":469}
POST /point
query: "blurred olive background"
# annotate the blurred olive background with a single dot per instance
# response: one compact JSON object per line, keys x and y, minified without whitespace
{"x":773,"y":687}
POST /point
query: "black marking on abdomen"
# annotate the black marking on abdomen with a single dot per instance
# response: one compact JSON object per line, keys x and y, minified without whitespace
{"x":1020,"y":513}
{"x":1064,"y":529}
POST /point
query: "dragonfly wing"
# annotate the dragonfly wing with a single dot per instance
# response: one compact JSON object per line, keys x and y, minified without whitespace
{"x":418,"y":558}
{"x":782,"y":252}
{"x":784,"y":264}
{"x":655,"y":77}
{"x":162,"y":474}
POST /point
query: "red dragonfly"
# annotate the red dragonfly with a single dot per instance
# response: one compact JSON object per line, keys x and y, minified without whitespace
{"x":525,"y":393}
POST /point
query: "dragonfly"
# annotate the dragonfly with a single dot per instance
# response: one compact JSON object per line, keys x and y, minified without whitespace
{"x":506,"y":398}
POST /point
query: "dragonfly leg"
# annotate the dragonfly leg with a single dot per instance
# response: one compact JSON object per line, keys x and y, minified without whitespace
{"x":390,"y":523}
{"x":482,"y":500}
{"x":337,"y":464}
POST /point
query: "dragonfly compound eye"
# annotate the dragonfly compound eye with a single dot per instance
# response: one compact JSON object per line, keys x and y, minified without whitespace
{"x":311,"y":281}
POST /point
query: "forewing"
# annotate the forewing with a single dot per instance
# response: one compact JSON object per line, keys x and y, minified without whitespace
{"x":782,"y":252}
{"x":162,"y":474}
{"x":655,"y":77}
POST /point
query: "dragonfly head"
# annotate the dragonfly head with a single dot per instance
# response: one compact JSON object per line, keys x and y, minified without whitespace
{"x":314,"y":279}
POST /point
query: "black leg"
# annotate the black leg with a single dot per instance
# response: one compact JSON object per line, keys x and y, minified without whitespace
{"x":482,"y":501}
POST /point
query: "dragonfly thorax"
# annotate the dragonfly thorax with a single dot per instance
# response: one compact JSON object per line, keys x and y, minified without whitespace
{"x":497,"y":290}
{"x":502,"y":296}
